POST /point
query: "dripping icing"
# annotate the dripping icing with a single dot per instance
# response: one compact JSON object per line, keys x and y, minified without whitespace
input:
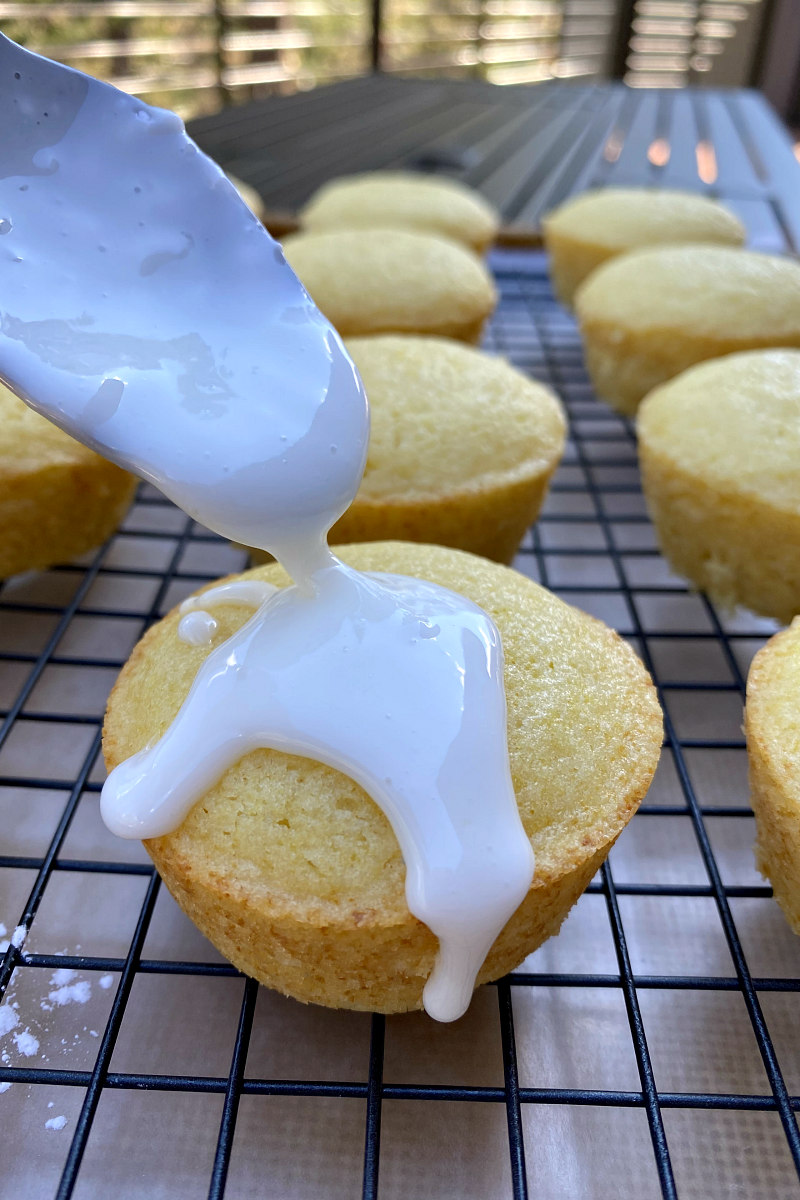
{"x":197,"y":628}
{"x":438,"y":734}
{"x":251,"y":592}
{"x":158,"y":322}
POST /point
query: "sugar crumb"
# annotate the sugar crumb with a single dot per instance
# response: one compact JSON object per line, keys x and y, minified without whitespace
{"x":26,"y":1043}
{"x":17,"y":939}
{"x":8,"y":1019}
{"x":62,"y":975}
{"x":56,"y":1123}
{"x":66,"y":991}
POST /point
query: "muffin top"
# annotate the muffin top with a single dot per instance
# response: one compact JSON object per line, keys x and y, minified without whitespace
{"x":30,"y":443}
{"x":700,"y":291}
{"x":391,"y":280}
{"x":619,"y":219}
{"x":401,"y":199}
{"x":445,"y":417}
{"x":773,"y":719}
{"x":584,"y":734}
{"x":735,"y":421}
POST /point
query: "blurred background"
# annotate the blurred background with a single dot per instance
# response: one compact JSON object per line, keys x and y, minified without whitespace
{"x":200,"y":55}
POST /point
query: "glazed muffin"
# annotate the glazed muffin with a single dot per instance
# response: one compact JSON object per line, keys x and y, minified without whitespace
{"x":595,"y":226}
{"x":648,"y":315}
{"x":57,"y":499}
{"x":772,"y":726}
{"x":294,"y":872}
{"x":719,"y":449}
{"x":461,"y":450}
{"x":403,"y":200}
{"x":393,"y":281}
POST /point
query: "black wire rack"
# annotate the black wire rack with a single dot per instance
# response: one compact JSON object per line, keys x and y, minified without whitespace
{"x":649,"y":1050}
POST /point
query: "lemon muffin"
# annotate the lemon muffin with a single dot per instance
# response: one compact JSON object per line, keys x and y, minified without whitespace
{"x":461,"y":450}
{"x":403,"y":200}
{"x":648,"y":315}
{"x":595,"y":226}
{"x":719,"y":449}
{"x":57,"y":499}
{"x":772,"y":726}
{"x":393,"y":281}
{"x":294,"y":872}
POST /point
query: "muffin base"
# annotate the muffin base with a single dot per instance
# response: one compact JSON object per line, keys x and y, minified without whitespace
{"x":459,"y":331}
{"x":60,"y":511}
{"x":774,"y":785}
{"x":489,"y":522}
{"x":777,"y":847}
{"x":362,"y":963}
{"x":732,"y":545}
{"x":624,"y":367}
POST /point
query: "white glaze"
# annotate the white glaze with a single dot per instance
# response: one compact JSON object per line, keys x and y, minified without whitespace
{"x":146,"y":311}
{"x":251,"y":592}
{"x":197,"y":628}
{"x":397,"y":687}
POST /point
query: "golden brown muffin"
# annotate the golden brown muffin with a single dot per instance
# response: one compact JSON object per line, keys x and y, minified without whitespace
{"x":591,"y":228}
{"x":648,"y":315}
{"x":293,"y":871}
{"x":772,"y":726}
{"x":57,"y":499}
{"x":461,"y":450}
{"x":719,"y":449}
{"x":403,"y":200}
{"x":393,"y":281}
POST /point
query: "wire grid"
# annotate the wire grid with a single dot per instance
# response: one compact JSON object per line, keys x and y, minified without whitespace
{"x":646,"y":1051}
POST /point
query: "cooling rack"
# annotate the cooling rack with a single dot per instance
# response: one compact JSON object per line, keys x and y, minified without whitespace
{"x":649,"y":1050}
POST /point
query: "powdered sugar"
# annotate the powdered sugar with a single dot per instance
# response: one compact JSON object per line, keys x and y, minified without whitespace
{"x":8,"y":1019}
{"x":17,"y":938}
{"x":25,"y":1029}
{"x":26,"y":1043}
{"x":67,"y":990}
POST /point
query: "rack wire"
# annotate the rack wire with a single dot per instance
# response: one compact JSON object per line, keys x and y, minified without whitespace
{"x":648,"y":1050}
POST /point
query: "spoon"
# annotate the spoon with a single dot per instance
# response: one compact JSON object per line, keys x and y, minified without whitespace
{"x":146,"y":311}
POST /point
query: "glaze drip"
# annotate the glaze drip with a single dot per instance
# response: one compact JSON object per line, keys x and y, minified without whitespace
{"x":307,"y":674}
{"x":146,"y":312}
